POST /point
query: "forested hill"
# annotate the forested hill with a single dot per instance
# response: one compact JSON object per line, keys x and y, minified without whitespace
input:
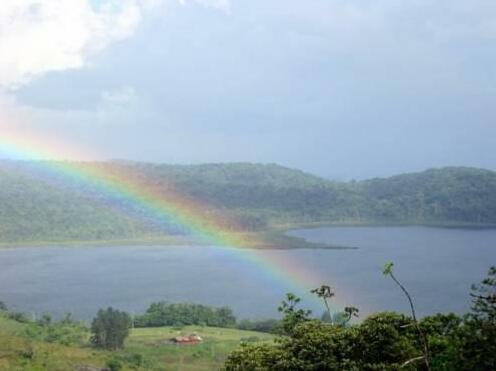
{"x":36,"y":207}
{"x":452,"y":194}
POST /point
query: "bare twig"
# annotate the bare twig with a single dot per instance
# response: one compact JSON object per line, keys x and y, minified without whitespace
{"x":411,"y":361}
{"x":388,"y":271}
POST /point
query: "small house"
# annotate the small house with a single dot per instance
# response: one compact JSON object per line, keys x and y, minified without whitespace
{"x":190,"y":339}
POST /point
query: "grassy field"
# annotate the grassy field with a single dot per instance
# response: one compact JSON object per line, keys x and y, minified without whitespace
{"x":145,"y":349}
{"x":209,"y":355}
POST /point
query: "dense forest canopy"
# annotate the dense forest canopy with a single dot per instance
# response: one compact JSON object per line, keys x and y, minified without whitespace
{"x":35,"y":205}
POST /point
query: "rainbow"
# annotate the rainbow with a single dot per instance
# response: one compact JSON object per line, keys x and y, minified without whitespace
{"x":163,"y":203}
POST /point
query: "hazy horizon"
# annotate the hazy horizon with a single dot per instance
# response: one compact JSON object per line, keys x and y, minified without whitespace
{"x":334,"y":178}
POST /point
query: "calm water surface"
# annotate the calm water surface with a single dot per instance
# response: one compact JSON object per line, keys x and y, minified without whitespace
{"x":437,"y":265}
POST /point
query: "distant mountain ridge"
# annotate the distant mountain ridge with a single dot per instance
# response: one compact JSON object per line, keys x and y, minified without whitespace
{"x":261,"y":196}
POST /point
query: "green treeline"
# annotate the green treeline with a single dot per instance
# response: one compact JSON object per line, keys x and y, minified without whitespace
{"x":38,"y":205}
{"x":184,"y":314}
{"x":160,"y":314}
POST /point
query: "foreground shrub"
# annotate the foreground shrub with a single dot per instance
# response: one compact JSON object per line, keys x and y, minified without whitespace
{"x":110,"y":328}
{"x":383,"y":341}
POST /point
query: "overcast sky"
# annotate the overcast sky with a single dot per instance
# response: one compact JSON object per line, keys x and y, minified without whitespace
{"x":340,"y":88}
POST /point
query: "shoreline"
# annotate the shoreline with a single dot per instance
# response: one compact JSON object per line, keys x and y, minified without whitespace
{"x":314,"y":225}
{"x":267,"y":240}
{"x":275,"y":238}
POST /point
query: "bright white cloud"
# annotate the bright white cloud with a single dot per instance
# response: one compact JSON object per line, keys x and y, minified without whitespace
{"x":37,"y":36}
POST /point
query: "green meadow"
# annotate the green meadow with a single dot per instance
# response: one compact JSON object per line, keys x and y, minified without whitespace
{"x":145,"y":349}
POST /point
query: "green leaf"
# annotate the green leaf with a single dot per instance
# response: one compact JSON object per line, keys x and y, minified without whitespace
{"x":388,"y":268}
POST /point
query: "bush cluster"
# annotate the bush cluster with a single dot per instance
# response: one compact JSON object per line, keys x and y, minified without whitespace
{"x":383,"y":341}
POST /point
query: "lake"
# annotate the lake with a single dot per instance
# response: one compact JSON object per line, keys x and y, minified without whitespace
{"x":437,"y":265}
